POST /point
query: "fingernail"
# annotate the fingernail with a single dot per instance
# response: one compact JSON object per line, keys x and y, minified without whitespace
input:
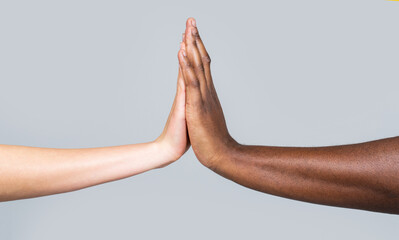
{"x":193,"y":23}
{"x":184,"y":53}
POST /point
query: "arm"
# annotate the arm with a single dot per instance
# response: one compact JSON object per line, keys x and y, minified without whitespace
{"x":362,"y":176}
{"x":27,"y":172}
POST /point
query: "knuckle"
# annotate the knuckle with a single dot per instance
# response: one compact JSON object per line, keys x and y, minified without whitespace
{"x":206,"y":59}
{"x":196,"y":34}
{"x":187,"y":64}
{"x":199,"y":68}
{"x":191,"y":41}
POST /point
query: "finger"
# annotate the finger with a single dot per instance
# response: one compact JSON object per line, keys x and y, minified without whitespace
{"x":176,"y":99}
{"x":193,"y":53}
{"x":183,"y":48}
{"x":192,"y":85}
{"x":180,"y":81}
{"x":206,"y":60}
{"x":180,"y":99}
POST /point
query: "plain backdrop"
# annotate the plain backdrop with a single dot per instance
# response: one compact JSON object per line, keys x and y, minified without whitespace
{"x":77,"y":74}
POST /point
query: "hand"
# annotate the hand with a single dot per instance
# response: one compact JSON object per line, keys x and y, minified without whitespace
{"x":206,"y":125}
{"x":173,"y":141}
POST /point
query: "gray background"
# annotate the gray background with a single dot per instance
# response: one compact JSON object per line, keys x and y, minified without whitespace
{"x":99,"y":73}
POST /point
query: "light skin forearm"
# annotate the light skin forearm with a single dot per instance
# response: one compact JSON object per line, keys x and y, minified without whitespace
{"x":31,"y":172}
{"x":27,"y":172}
{"x":362,"y":176}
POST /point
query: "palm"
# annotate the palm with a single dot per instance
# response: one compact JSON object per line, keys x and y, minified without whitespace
{"x":174,"y":136}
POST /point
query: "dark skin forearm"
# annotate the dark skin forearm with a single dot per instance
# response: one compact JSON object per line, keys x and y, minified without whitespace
{"x":362,"y":176}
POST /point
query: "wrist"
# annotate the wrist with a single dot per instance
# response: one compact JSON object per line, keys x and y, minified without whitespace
{"x":224,"y":154}
{"x":165,"y":152}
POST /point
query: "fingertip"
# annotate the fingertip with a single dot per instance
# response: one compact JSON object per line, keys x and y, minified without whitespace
{"x":181,"y":56}
{"x":188,"y":22}
{"x":191,"y":30}
{"x":191,"y":22}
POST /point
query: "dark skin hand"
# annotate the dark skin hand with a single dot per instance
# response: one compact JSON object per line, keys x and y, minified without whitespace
{"x":362,"y":176}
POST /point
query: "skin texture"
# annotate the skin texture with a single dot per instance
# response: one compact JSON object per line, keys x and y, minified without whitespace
{"x":362,"y":176}
{"x":27,"y":172}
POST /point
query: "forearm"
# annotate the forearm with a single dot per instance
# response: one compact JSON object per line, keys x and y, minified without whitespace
{"x":31,"y":172}
{"x":363,"y":176}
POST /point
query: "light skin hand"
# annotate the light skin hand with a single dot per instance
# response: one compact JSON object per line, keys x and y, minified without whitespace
{"x":174,"y":138}
{"x":27,"y":172}
{"x":362,"y":176}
